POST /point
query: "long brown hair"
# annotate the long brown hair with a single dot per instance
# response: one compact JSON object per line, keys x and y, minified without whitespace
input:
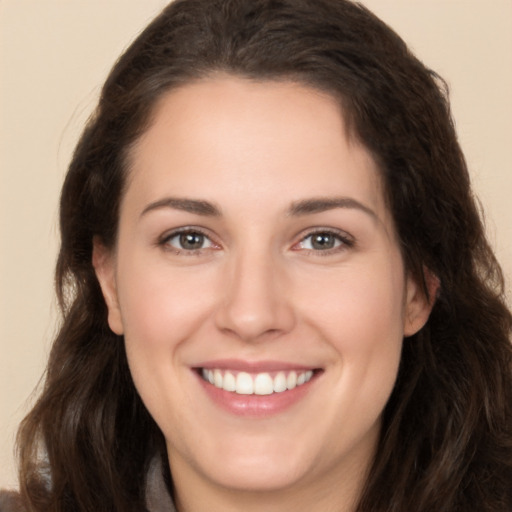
{"x":446,"y":442}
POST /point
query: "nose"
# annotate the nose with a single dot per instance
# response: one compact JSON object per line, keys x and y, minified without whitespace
{"x":255,"y":304}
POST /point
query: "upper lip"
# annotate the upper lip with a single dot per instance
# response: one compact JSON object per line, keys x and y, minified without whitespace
{"x":254,"y":366}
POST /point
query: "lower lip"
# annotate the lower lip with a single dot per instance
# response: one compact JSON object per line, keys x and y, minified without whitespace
{"x":256,"y":405}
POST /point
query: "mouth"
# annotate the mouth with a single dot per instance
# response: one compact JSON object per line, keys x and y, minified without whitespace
{"x":256,"y":389}
{"x":261,"y":383}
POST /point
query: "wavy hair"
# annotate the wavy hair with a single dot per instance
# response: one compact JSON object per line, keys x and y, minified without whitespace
{"x":446,"y":441}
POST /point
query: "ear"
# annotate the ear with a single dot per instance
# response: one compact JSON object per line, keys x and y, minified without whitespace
{"x":417,"y":304}
{"x":103,"y":262}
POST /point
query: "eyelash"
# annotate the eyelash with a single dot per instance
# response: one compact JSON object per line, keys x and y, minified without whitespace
{"x":164,"y":241}
{"x":343,"y":241}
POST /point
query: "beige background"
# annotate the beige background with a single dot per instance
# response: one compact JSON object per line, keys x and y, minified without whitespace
{"x":54,"y":55}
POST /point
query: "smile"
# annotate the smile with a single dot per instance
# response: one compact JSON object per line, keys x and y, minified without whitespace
{"x":244,"y":383}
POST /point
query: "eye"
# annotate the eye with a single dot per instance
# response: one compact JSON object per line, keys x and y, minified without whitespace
{"x":324,"y":241}
{"x":188,"y":241}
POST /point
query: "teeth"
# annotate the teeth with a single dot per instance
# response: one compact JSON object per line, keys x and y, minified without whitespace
{"x":291,"y":380}
{"x":229,"y":383}
{"x":280,"y":383}
{"x":217,"y":378}
{"x":244,"y":383}
{"x":263,"y":384}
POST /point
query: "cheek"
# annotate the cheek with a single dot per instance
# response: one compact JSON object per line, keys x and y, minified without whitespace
{"x":361,"y":306}
{"x":161,"y":307}
{"x":165,"y":311}
{"x":360,"y":315}
{"x":162,"y":311}
{"x":147,"y":319}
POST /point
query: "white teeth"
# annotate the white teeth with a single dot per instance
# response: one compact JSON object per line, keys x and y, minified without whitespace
{"x":244,"y":383}
{"x":291,"y":380}
{"x":263,"y":384}
{"x":280,"y":382}
{"x":229,"y":383}
{"x":217,"y":378}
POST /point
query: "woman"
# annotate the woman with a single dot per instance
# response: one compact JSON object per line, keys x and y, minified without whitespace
{"x":276,"y":288}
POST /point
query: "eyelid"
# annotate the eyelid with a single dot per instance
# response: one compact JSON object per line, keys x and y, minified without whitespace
{"x":163,"y":240}
{"x":347,"y":241}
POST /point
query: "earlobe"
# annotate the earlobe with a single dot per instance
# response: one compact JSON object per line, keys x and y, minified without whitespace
{"x":104,"y":267}
{"x":418,"y":305}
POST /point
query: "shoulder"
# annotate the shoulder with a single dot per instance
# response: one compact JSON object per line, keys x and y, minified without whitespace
{"x":10,"y":501}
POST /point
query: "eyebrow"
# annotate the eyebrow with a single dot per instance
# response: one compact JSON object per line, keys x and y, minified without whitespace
{"x":297,"y":208}
{"x":197,"y":206}
{"x":322,"y":204}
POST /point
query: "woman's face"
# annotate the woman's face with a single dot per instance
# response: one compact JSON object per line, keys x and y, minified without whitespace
{"x":255,"y":250}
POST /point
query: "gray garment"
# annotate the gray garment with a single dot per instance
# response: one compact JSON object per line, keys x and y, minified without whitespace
{"x":157,"y":495}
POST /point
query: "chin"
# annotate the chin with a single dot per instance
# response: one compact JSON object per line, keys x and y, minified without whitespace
{"x":257,"y":475}
{"x":251,"y":465}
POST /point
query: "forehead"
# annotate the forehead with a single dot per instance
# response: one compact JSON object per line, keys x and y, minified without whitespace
{"x":226,"y":137}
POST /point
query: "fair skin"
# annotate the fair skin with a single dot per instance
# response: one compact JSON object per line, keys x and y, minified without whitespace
{"x":289,"y":264}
